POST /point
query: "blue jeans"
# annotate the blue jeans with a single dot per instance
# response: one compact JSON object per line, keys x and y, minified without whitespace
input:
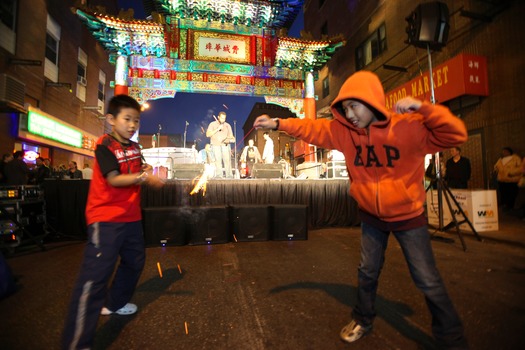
{"x":222,"y":155}
{"x":416,"y":247}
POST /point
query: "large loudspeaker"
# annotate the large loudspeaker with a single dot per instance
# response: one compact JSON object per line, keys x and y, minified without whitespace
{"x":30,"y":215}
{"x":187,"y":171}
{"x":250,"y":223}
{"x":207,"y":225}
{"x":164,"y":226}
{"x":289,"y":222}
{"x":267,"y":171}
{"x":428,"y":25}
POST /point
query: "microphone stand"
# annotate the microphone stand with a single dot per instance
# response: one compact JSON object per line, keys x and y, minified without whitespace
{"x":185,"y":130}
{"x":443,"y":191}
{"x":158,"y":151}
{"x":235,"y":149}
{"x":158,"y":136}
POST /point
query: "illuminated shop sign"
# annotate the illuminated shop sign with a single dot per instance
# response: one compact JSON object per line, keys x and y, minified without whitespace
{"x":51,"y":129}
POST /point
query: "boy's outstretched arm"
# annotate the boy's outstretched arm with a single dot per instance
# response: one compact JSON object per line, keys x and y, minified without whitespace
{"x":319,"y":132}
{"x":446,"y":129}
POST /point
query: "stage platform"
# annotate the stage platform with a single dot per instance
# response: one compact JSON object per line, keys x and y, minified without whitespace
{"x":328,"y":201}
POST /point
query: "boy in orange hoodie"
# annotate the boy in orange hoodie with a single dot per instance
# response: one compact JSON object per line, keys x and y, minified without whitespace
{"x":384,"y":154}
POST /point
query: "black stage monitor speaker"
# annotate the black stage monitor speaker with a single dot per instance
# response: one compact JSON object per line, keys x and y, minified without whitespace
{"x":267,"y":171}
{"x":250,"y":223}
{"x":208,"y":225}
{"x":428,"y":25}
{"x":187,"y":171}
{"x":289,"y":222}
{"x":30,"y":215}
{"x":164,"y":226}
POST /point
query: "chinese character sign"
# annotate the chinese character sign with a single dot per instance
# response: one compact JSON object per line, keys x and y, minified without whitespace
{"x":228,"y":48}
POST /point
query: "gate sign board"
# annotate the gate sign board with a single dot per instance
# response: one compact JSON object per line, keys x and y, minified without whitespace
{"x":221,"y":47}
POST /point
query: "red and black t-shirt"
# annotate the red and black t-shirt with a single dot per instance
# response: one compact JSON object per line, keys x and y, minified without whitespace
{"x":107,"y":203}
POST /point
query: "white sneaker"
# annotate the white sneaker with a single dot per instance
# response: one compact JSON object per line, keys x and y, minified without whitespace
{"x":353,"y":331}
{"x":128,"y":309}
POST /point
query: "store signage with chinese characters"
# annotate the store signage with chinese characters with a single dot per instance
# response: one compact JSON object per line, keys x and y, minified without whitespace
{"x":462,"y":75}
{"x":41,"y":125}
{"x":221,"y":47}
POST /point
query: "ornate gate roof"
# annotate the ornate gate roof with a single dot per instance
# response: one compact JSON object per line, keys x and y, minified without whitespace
{"x":171,"y":42}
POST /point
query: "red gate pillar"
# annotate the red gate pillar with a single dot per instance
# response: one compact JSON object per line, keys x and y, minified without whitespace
{"x":121,"y":76}
{"x":309,"y":112}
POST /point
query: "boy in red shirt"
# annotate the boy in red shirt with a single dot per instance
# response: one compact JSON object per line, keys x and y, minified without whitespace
{"x":384,"y":154}
{"x":113,"y":217}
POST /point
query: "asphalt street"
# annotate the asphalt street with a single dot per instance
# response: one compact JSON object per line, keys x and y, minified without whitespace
{"x":277,"y":295}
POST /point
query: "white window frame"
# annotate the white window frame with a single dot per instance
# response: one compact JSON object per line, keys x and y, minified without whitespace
{"x":101,"y":82}
{"x":8,"y":33}
{"x":54,"y":31}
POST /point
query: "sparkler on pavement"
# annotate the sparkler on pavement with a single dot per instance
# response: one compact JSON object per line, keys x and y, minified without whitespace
{"x":160,"y":270}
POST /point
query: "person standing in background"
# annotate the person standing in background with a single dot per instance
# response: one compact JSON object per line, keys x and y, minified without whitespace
{"x":74,"y":172}
{"x":87,"y":172}
{"x":6,"y":158}
{"x":16,"y":171}
{"x":221,"y":136}
{"x":457,"y":170}
{"x":250,"y":155}
{"x":268,"y":154}
{"x":194,"y":154}
{"x":519,"y":204}
{"x":42,"y":172}
{"x":508,"y":169}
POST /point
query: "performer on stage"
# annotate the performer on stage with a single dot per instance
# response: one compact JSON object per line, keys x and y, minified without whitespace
{"x":268,"y":155}
{"x":385,"y":154}
{"x":221,"y":135}
{"x":250,"y":155}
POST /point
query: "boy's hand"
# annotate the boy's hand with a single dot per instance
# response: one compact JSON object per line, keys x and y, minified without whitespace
{"x":147,"y":168}
{"x":151,"y":180}
{"x":264,"y":122}
{"x":407,"y":105}
{"x":154,"y":181}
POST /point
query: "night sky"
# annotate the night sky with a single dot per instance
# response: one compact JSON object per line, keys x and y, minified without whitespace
{"x":197,"y":109}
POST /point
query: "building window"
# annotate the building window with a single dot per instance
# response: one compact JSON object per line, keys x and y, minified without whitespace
{"x":101,"y":87}
{"x":82,"y":67}
{"x":8,"y":13}
{"x":8,"y":25}
{"x":82,"y":62}
{"x":326,"y":87}
{"x":371,"y":48}
{"x":101,"y":91}
{"x":52,"y":49}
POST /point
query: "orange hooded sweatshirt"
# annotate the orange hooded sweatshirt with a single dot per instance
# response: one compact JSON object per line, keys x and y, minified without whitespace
{"x":386,"y":160}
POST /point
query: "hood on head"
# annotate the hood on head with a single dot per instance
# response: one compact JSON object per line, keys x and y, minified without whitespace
{"x":366,"y":87}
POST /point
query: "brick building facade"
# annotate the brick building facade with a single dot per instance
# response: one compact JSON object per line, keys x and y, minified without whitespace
{"x":376,"y":33}
{"x":50,"y":62}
